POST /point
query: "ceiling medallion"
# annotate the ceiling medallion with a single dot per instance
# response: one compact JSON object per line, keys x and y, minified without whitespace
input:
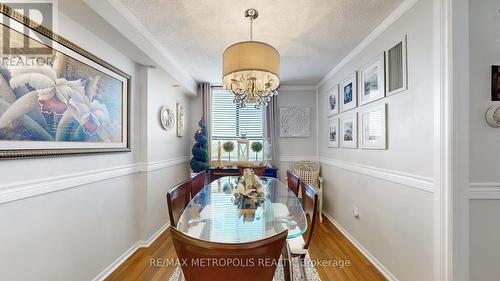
{"x":251,"y":69}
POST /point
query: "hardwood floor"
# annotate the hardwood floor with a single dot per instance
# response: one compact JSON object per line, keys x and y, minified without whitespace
{"x":328,"y":246}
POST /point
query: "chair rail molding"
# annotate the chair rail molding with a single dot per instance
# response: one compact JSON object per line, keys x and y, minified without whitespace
{"x":25,"y":189}
{"x":484,"y":191}
{"x":414,"y":181}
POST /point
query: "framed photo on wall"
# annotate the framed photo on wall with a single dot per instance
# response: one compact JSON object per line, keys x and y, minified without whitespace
{"x":495,"y":82}
{"x":349,"y":131}
{"x":66,"y":101}
{"x":333,"y":100}
{"x":295,"y":122}
{"x":333,"y":132}
{"x":348,"y":93}
{"x":396,"y":68}
{"x":374,"y":127}
{"x":372,"y":76}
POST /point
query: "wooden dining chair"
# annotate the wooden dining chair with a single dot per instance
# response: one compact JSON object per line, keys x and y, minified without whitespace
{"x":293,"y":182}
{"x":246,"y":258}
{"x":299,"y":245}
{"x":198,"y":182}
{"x":177,"y":199}
{"x":259,"y":171}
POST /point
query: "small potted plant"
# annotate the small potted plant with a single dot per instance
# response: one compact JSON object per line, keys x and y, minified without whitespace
{"x":228,"y":147}
{"x":256,"y":147}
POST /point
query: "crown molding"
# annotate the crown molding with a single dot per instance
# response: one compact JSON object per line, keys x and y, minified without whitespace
{"x":120,"y":17}
{"x":386,"y":23}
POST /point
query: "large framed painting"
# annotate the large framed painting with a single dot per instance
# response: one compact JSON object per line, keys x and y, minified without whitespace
{"x":55,"y":97}
{"x":495,"y":82}
{"x":372,"y":78}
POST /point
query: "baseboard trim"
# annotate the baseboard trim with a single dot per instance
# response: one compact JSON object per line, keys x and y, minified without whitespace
{"x":114,"y":265}
{"x":414,"y":181}
{"x":25,"y":189}
{"x":147,"y":243}
{"x":121,"y":259}
{"x":387,"y":274}
{"x":484,"y":191}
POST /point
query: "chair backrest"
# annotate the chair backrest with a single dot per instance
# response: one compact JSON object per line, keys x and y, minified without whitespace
{"x":198,"y":182}
{"x":308,"y":171}
{"x":259,"y":171}
{"x":310,"y":206}
{"x":177,"y":199}
{"x":255,"y":260}
{"x":293,"y":182}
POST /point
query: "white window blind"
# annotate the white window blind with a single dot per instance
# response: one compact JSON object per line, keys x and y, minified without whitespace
{"x":228,"y":122}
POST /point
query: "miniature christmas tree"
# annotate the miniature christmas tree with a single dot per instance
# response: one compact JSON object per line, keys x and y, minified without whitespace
{"x":199,"y":162}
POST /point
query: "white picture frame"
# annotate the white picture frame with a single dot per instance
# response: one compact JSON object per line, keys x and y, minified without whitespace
{"x":295,"y":122}
{"x":333,"y":132}
{"x":374,"y":127}
{"x":332,"y":101}
{"x":390,"y":63}
{"x":372,"y":80}
{"x":349,"y":92}
{"x":349,"y":131}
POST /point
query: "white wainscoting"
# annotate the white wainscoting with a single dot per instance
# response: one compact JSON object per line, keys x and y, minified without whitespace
{"x":414,"y":181}
{"x":362,"y":249}
{"x":24,"y":189}
{"x":484,"y":191}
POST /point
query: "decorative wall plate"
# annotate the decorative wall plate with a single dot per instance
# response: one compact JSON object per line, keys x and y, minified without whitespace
{"x":167,"y":117}
{"x":493,"y":116}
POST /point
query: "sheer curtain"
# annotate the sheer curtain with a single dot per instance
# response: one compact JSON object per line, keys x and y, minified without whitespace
{"x":271,"y":128}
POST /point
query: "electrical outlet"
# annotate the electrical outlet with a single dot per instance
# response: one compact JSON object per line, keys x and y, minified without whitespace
{"x":355,"y":212}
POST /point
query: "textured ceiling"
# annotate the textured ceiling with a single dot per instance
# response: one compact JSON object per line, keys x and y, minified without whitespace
{"x":312,"y":36}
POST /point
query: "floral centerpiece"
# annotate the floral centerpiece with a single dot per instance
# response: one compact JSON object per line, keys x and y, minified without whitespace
{"x":249,"y":194}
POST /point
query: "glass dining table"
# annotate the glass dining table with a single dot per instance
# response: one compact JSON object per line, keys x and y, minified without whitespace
{"x":216,"y":214}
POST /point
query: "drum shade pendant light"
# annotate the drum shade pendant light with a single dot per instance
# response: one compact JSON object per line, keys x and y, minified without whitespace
{"x":251,"y":69}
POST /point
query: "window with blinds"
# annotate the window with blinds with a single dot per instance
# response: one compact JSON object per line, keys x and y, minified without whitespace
{"x":228,"y":123}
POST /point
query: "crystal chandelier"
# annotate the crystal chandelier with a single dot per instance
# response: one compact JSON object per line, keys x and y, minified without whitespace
{"x":251,"y":69}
